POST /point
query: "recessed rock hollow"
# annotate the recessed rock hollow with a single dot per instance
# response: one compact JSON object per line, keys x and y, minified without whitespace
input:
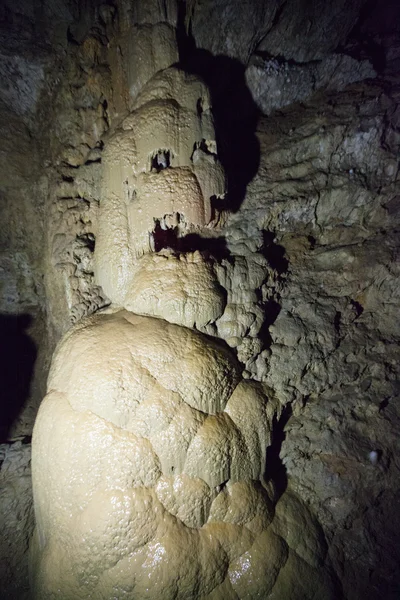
{"x":200,"y":257}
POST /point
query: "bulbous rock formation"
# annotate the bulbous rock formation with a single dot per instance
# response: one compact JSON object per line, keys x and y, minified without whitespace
{"x":149,"y":454}
{"x":161,"y":172}
{"x":149,"y":450}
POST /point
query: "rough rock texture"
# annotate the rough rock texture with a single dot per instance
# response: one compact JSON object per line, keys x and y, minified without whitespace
{"x":33,"y":40}
{"x":296,"y":30}
{"x":80,"y":119}
{"x":160,"y":173}
{"x":148,"y":443}
{"x":148,"y":462}
{"x":16,"y":519}
{"x":315,"y":252}
{"x":275,"y":84}
{"x":328,"y":182}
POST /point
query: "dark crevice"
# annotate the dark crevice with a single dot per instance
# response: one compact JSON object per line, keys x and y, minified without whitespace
{"x":357,"y":307}
{"x":71,"y":38}
{"x":87,"y":240}
{"x":312,"y":241}
{"x":276,"y":18}
{"x":274,"y":253}
{"x":203,"y":146}
{"x":337,"y":321}
{"x":17,"y":360}
{"x":93,"y":161}
{"x":169,"y":239}
{"x":222,"y":486}
{"x":271,"y":310}
{"x":69,"y":165}
{"x":383,"y":404}
{"x":275,"y":469}
{"x":282,"y":61}
{"x":234,"y":110}
{"x":160,"y":160}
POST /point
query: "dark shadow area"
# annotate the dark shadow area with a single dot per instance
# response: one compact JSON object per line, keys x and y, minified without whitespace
{"x":271,"y":310}
{"x":168,"y":238}
{"x":312,"y":241}
{"x":337,"y":322}
{"x":234,"y":110}
{"x":275,"y":469}
{"x":377,"y":20}
{"x":17,"y":359}
{"x":274,"y":253}
{"x":358,"y":309}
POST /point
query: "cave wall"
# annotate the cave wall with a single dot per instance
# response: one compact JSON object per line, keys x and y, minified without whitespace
{"x":306,"y":108}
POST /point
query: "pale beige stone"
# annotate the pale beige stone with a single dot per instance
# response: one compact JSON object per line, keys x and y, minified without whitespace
{"x":181,"y":289}
{"x":253,"y":575}
{"x":160,"y":171}
{"x":151,"y":47}
{"x":185,"y":497}
{"x":149,"y":449}
{"x":126,"y":477}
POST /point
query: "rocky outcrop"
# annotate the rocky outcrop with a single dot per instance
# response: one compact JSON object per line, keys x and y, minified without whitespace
{"x":306,"y":281}
{"x":148,"y":463}
{"x":149,"y":443}
{"x":284,"y":29}
{"x":327,"y":188}
{"x":275,"y":84}
{"x":16,"y":518}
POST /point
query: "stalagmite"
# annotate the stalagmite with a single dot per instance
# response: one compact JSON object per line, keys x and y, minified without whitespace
{"x":149,"y":450}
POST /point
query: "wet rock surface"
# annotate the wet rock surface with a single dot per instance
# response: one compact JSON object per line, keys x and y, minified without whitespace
{"x":312,"y":274}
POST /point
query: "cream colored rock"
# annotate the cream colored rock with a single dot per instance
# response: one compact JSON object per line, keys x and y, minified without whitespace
{"x":185,"y":497}
{"x":300,"y":530}
{"x":149,"y":449}
{"x":131,"y":448}
{"x":151,"y":48}
{"x":111,"y":363}
{"x":246,"y":407}
{"x":253,"y":575}
{"x":181,"y":289}
{"x":160,"y":173}
{"x":147,"y":453}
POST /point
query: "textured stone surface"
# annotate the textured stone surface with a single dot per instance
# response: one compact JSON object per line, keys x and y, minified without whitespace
{"x":294,"y":30}
{"x":181,"y":289}
{"x":160,"y":173}
{"x":16,"y":519}
{"x":232,"y":29}
{"x":328,"y":182}
{"x":316,"y":238}
{"x":148,"y":471}
{"x":275,"y":84}
{"x":174,"y":441}
{"x":305,"y":32}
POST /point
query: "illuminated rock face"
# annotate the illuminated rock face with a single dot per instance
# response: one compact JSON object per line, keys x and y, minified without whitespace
{"x":149,"y":449}
{"x":161,"y":173}
{"x":149,"y":453}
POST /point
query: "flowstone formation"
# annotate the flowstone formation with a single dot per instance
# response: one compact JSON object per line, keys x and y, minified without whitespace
{"x":149,"y":450}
